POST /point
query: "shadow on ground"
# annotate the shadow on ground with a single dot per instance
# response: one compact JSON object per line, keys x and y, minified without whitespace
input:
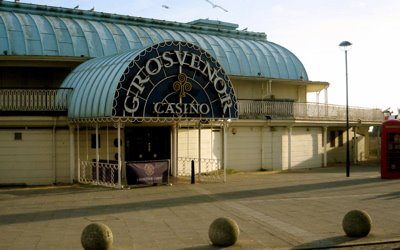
{"x":331,"y":242}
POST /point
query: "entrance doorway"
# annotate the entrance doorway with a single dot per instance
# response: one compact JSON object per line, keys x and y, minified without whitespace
{"x":147,"y":143}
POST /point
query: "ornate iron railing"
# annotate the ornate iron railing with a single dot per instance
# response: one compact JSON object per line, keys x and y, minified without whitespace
{"x":34,"y":99}
{"x":250,"y":109}
{"x":210,"y":170}
{"x":100,"y":173}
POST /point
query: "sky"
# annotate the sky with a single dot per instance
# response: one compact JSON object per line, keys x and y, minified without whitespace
{"x":311,"y":29}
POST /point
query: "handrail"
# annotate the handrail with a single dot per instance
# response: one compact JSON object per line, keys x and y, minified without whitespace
{"x":31,"y":99}
{"x":297,"y":110}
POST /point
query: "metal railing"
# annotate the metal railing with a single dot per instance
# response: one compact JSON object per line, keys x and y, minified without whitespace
{"x":34,"y":99}
{"x":250,"y":109}
{"x":211,"y":170}
{"x":99,"y":173}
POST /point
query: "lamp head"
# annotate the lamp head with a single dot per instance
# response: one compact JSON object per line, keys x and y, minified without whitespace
{"x":345,"y":45}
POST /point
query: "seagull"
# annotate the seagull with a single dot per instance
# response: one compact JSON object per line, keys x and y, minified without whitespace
{"x":92,"y":9}
{"x":245,"y":29}
{"x":76,"y":7}
{"x":216,"y":5}
{"x":165,"y":6}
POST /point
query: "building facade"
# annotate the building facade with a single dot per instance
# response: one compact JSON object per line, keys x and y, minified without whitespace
{"x":86,"y":96}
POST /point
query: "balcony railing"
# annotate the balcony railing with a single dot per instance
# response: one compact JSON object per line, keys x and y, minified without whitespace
{"x":34,"y":99}
{"x":249,"y":109}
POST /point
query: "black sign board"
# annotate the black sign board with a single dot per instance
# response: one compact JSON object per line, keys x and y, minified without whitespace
{"x":148,"y":173}
{"x":175,"y":79}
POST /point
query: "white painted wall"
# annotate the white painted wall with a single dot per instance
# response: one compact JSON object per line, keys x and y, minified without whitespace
{"x":244,"y":148}
{"x":86,"y":152}
{"x":30,"y":160}
{"x":211,"y":143}
{"x":188,"y":145}
{"x":62,"y":156}
{"x":307,"y":149}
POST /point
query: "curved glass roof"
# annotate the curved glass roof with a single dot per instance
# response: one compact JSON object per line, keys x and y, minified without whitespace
{"x":35,"y":30}
{"x":94,"y":83}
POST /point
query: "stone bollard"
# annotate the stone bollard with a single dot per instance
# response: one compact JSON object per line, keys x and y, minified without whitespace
{"x":357,"y":223}
{"x":97,"y":236}
{"x":223,"y":232}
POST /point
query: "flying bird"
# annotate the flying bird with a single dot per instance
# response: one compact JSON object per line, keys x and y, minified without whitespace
{"x":216,"y":5}
{"x":76,"y":7}
{"x":165,"y":6}
{"x":92,"y":9}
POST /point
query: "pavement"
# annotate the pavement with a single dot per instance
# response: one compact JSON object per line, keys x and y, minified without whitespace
{"x":298,"y":209}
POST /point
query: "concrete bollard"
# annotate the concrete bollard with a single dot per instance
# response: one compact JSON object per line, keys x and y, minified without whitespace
{"x":97,"y":236}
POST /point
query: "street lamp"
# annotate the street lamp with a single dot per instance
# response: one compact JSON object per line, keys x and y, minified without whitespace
{"x":346,"y":45}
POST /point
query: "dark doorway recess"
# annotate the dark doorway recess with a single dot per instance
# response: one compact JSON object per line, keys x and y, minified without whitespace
{"x":147,"y":143}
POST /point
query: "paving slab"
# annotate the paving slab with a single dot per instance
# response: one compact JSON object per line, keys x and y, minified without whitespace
{"x":297,"y":209}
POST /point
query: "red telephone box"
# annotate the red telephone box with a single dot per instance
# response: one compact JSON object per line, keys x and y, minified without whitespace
{"x":390,"y":149}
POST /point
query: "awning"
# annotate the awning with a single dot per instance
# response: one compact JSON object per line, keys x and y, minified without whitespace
{"x":169,"y":80}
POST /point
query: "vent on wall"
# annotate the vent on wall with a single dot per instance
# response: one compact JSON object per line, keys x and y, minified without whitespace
{"x":17,"y":136}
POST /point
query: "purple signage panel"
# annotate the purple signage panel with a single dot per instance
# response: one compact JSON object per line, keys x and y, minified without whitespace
{"x":147,"y":173}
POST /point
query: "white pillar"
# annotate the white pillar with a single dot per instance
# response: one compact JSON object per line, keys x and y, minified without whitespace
{"x":289,"y":147}
{"x":225,"y":149}
{"x":355,"y":147}
{"x":326,"y":95}
{"x":199,"y":150}
{"x":119,"y":155}
{"x":71,"y":154}
{"x":325,"y":135}
{"x":87,"y":144}
{"x":176,"y":149}
{"x":326,"y":101}
{"x":54,"y":151}
{"x":108,"y":146}
{"x":262,"y":147}
{"x":97,"y":153}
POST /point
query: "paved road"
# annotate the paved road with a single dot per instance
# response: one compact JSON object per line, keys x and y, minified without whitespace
{"x":296,"y":209}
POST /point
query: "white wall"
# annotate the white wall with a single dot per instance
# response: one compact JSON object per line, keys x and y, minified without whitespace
{"x":307,"y":149}
{"x":31,"y":160}
{"x":244,"y":148}
{"x":86,"y":152}
{"x":188,"y":145}
{"x":255,"y":148}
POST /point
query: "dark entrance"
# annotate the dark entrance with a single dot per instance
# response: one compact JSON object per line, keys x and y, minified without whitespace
{"x":147,"y":143}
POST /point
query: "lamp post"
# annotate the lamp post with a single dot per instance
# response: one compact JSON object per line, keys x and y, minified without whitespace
{"x":346,"y":45}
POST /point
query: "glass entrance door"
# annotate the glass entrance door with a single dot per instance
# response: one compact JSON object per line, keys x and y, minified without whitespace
{"x":147,"y":143}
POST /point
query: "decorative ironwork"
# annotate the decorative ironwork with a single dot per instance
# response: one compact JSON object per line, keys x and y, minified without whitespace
{"x":100,"y":173}
{"x":34,"y":99}
{"x":182,"y":85}
{"x":211,"y":169}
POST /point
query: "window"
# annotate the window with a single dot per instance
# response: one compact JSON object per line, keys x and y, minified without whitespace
{"x":93,"y":141}
{"x":332,"y":137}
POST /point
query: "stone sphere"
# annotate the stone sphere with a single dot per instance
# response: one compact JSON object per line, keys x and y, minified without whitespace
{"x":223,"y":232}
{"x":357,"y":223}
{"x":96,"y":236}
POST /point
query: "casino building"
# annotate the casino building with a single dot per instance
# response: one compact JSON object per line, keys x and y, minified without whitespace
{"x":113,"y":100}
